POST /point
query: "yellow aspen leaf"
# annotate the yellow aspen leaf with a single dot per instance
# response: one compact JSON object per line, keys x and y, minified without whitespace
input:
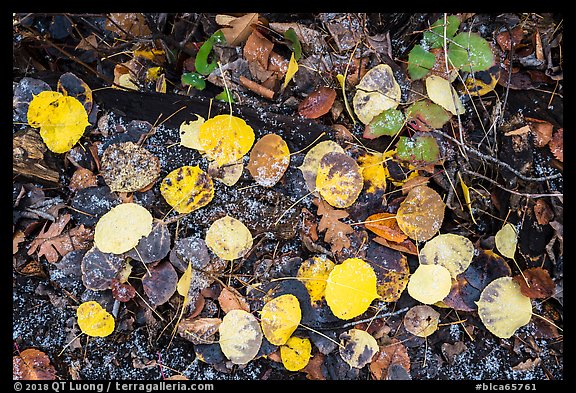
{"x":373,"y":172}
{"x":94,"y":320}
{"x":61,"y":119}
{"x":187,"y":188}
{"x":350,"y":288}
{"x":314,"y":272}
{"x":339,"y":180}
{"x":225,"y":138}
{"x":429,"y":283}
{"x":120,"y":229}
{"x":292,"y":69}
{"x":421,"y":320}
{"x":441,"y":92}
{"x":454,"y":252}
{"x":309,"y":167}
{"x":376,"y":92}
{"x":229,"y":238}
{"x":357,"y":347}
{"x":296,"y":353}
{"x":240,"y":336}
{"x":269,"y":159}
{"x":153,"y":73}
{"x":228,"y":174}
{"x":280,"y":317}
{"x":503,"y":308}
{"x":189,"y":131}
{"x":421,"y":214}
{"x":127,"y":82}
{"x":466,"y":193}
{"x":183,"y":286}
{"x":506,"y":240}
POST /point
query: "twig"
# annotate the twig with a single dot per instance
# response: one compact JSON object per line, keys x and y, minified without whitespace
{"x":256,"y":88}
{"x":354,"y":323}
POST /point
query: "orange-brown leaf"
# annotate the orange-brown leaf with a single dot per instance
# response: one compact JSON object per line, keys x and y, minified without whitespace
{"x":385,"y":225}
{"x":336,"y":231}
{"x":540,"y":285}
{"x":405,"y":246}
{"x":389,"y":354}
{"x":231,"y":299}
{"x":556,"y":144}
{"x":318,"y":103}
{"x":82,"y":178}
{"x":543,"y":212}
{"x":32,"y":364}
{"x":542,"y":131}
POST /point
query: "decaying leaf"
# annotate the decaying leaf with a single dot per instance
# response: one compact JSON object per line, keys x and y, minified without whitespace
{"x":230,"y":299}
{"x":153,"y":247}
{"x":421,"y":320}
{"x":225,"y":138}
{"x":556,"y":144}
{"x":339,"y":179}
{"x":314,"y":272}
{"x":72,"y":86}
{"x":430,"y":283}
{"x":441,"y":92}
{"x":280,"y":317}
{"x":237,"y":29}
{"x":228,"y":174}
{"x":187,"y":188}
{"x":269,"y":159}
{"x":536,"y":283}
{"x":296,"y":353}
{"x":229,"y":238}
{"x":160,"y":283}
{"x":350,"y":288}
{"x":127,"y":24}
{"x":454,"y":252}
{"x":503,"y":308}
{"x":357,"y":347}
{"x":376,"y":92}
{"x":392,"y":353}
{"x":421,"y":214}
{"x":61,"y":119}
{"x":317,"y":103}
{"x":199,"y":330}
{"x":122,"y":227}
{"x":336,"y":231}
{"x":506,"y":239}
{"x":93,"y":320}
{"x":189,"y":132}
{"x":373,"y":172}
{"x":309,"y":167}
{"x":99,"y":269}
{"x":240,"y":336}
{"x":33,"y":365}
{"x":424,"y":115}
{"x":385,"y":225}
{"x":392,"y":271}
{"x":543,"y":212}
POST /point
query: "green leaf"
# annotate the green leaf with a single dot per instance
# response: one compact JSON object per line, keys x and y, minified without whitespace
{"x":418,"y":149}
{"x":420,"y":62}
{"x":434,"y":37}
{"x":290,"y":35}
{"x":470,"y":52}
{"x":225,"y":96}
{"x":389,"y":122}
{"x":425,"y":115}
{"x":193,"y":79}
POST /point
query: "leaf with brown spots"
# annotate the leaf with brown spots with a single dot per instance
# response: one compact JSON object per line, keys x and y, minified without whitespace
{"x":543,"y":212}
{"x":32,"y":364}
{"x":199,"y":330}
{"x":339,"y":179}
{"x":318,"y":103}
{"x":82,"y":178}
{"x":231,"y":299}
{"x":392,"y":271}
{"x":269,"y":159}
{"x":392,"y":353}
{"x":421,"y":214}
{"x":336,"y":231}
{"x":187,"y":188}
{"x":537,"y":283}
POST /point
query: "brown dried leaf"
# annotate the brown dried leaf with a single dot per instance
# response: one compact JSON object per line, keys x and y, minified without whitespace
{"x":406,"y":246}
{"x":542,"y":131}
{"x":231,"y":299}
{"x":127,"y":24}
{"x":82,"y":178}
{"x":19,"y":237}
{"x":393,"y":353}
{"x":313,"y":369}
{"x":527,"y":365}
{"x":318,"y":103}
{"x":556,"y":144}
{"x":385,"y":225}
{"x":421,"y":214}
{"x":237,"y":30}
{"x":257,"y":49}
{"x":160,"y":283}
{"x":199,"y":330}
{"x":538,"y":283}
{"x":34,"y":365}
{"x":336,"y":231}
{"x":450,"y":351}
{"x":543,"y":212}
{"x":122,"y":292}
{"x":269,"y":159}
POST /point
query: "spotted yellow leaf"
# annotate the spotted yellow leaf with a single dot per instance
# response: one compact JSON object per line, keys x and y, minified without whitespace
{"x":229,"y":238}
{"x":357,"y":347}
{"x":350,"y":288}
{"x":309,"y":167}
{"x":313,"y":272}
{"x":376,"y":92}
{"x":421,"y":320}
{"x":454,"y":252}
{"x":240,"y":336}
{"x":93,"y":320}
{"x":280,"y":317}
{"x":187,"y":188}
{"x":120,"y":229}
{"x":225,"y":138}
{"x":296,"y":353}
{"x":373,"y":172}
{"x":339,"y":180}
{"x":61,"y":119}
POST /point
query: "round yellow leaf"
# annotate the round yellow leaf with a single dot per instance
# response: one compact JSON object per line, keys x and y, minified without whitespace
{"x":122,"y":227}
{"x":421,"y":320}
{"x":309,"y":167}
{"x":296,"y":353}
{"x":430,"y":283}
{"x":376,"y":92}
{"x":62,"y":120}
{"x":339,"y":180}
{"x":269,"y":159}
{"x":240,"y":336}
{"x":280,"y":317}
{"x":189,"y":133}
{"x":373,"y":172}
{"x":225,"y":138}
{"x":94,"y":320}
{"x":454,"y":252}
{"x":357,"y":347}
{"x":503,"y":308}
{"x":187,"y":188}
{"x":314,"y":272}
{"x":421,"y":214}
{"x":506,"y":240}
{"x":441,"y":92}
{"x":229,"y":238}
{"x":350,"y":288}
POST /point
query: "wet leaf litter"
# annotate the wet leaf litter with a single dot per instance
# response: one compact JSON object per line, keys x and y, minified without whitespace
{"x":235,"y":243}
